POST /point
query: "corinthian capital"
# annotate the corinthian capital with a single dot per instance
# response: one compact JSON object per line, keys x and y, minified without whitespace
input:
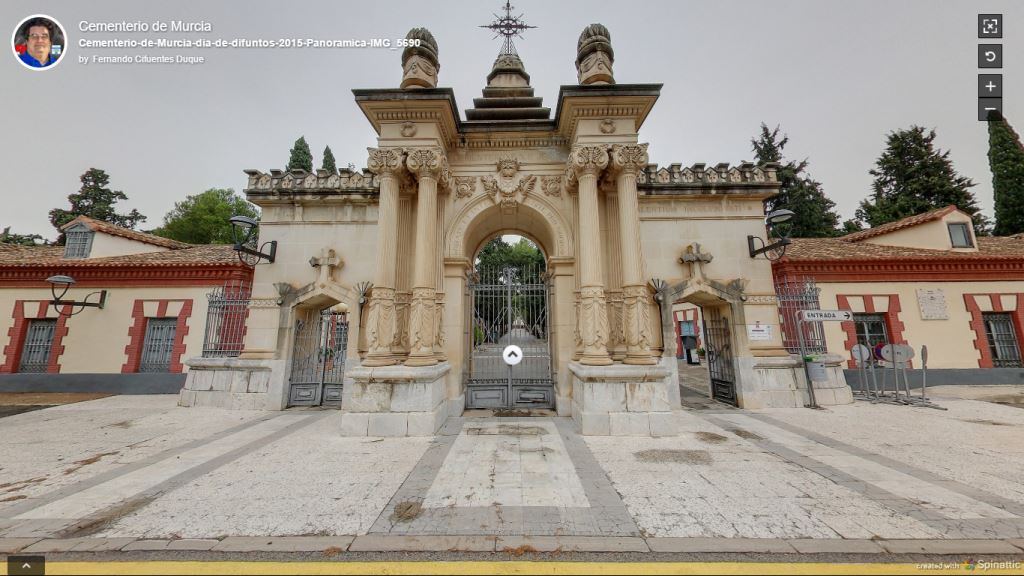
{"x":629,"y":157}
{"x":587,"y":160}
{"x":427,"y":162}
{"x":384,"y":160}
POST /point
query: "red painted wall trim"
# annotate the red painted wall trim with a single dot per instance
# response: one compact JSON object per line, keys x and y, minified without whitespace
{"x":977,"y":322}
{"x":893,"y":324}
{"x":909,"y":270}
{"x":137,"y":334}
{"x":124,"y":277}
{"x":17,"y":332}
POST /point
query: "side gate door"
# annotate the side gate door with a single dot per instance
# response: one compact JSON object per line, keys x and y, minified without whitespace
{"x":318,"y":358}
{"x":720,"y":356}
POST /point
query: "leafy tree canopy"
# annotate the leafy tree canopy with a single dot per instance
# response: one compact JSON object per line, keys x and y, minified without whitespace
{"x":8,"y":237}
{"x":815,"y":215}
{"x":301,"y":158}
{"x":913,"y":177}
{"x":203,"y":218}
{"x":1006,"y":160}
{"x":95,"y":200}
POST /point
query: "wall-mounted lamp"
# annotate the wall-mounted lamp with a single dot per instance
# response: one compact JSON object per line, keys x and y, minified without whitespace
{"x":245,"y":231}
{"x":776,"y":249}
{"x":63,"y":283}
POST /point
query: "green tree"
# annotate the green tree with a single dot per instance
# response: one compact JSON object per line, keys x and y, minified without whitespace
{"x":203,"y":218}
{"x":8,"y":237}
{"x":912,"y":177}
{"x":95,"y":200}
{"x":1006,"y":159}
{"x":815,"y":215}
{"x":301,"y":158}
{"x":328,"y":163}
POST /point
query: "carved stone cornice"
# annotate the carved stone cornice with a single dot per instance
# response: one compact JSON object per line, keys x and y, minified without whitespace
{"x":385,"y":161}
{"x":629,"y":158}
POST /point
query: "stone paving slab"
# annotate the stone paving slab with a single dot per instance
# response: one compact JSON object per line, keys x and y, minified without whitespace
{"x":193,"y":544}
{"x":836,"y":546}
{"x":949,"y":547}
{"x":12,"y":545}
{"x":1018,"y":542}
{"x":388,"y":543}
{"x":765,"y":545}
{"x":146,"y":545}
{"x":282,"y":544}
{"x":101,"y":544}
{"x":571,"y":544}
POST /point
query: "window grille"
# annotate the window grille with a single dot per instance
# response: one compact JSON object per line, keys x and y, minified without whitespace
{"x":796,"y":295}
{"x":35,"y":353}
{"x":78,"y":243}
{"x":871,"y":329}
{"x":225,"y":320}
{"x":158,"y":345}
{"x":1002,"y":340}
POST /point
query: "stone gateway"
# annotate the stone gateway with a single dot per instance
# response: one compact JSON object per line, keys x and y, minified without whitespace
{"x":376,"y":282}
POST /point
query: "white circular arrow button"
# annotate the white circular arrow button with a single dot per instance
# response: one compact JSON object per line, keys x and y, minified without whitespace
{"x":512,"y":354}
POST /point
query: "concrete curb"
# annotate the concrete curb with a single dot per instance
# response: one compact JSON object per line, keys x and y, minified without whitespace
{"x":515,"y":545}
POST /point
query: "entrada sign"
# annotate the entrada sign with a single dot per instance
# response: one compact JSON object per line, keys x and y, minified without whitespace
{"x":826,"y":315}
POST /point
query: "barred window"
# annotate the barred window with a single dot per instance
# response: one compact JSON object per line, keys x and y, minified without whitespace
{"x":78,"y":242}
{"x":35,"y":353}
{"x":158,"y":345}
{"x":1002,"y":339}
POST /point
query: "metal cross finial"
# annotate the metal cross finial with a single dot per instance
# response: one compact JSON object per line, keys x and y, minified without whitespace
{"x":508,"y":26}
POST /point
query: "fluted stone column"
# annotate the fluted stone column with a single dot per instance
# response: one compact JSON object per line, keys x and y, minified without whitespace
{"x":627,"y":160}
{"x":585,"y":165}
{"x":386,"y":163}
{"x":427,"y":164}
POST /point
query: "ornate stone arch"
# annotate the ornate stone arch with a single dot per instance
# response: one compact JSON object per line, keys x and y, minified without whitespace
{"x":534,"y":215}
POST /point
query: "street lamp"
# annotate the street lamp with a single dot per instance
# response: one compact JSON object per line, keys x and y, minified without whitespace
{"x":776,"y":249}
{"x":245,"y":232}
{"x":61,"y":281}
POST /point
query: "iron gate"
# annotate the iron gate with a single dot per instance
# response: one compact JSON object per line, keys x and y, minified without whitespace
{"x":509,"y":305}
{"x":318,"y":358}
{"x":718,"y":341}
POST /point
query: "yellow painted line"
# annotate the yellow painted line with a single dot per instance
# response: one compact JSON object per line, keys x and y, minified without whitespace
{"x":516,"y":567}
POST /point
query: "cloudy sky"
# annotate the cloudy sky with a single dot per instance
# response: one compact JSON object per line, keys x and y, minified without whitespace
{"x":837,"y":75}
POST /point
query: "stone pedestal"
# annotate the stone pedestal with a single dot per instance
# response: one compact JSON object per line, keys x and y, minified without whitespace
{"x":233,"y":383}
{"x":623,"y":400}
{"x":394,"y":400}
{"x":781,"y":382}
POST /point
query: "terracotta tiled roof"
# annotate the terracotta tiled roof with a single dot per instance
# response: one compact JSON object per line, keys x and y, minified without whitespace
{"x":113,"y":229}
{"x":899,"y":224}
{"x":202,"y":255}
{"x":1009,"y":247}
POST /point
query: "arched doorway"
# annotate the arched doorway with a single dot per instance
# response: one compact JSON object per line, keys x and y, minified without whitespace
{"x":510,"y":349}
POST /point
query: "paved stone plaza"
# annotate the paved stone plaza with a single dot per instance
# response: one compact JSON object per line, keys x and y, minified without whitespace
{"x":142,"y":473}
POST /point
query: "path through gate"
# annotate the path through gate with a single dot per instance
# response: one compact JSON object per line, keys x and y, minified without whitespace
{"x":509,"y":305}
{"x":718,"y":341}
{"x":318,"y":359}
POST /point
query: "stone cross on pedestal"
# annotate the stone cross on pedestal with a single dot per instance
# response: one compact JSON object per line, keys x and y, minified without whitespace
{"x":327,"y":261}
{"x":696,"y":260}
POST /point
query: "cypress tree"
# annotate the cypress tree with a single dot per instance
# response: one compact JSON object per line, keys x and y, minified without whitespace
{"x":1006,"y":159}
{"x":301,"y":158}
{"x":815,"y":215}
{"x":913,"y":177}
{"x":95,"y":200}
{"x":328,"y":163}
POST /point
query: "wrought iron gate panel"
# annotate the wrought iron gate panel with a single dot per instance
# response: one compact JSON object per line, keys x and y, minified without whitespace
{"x":509,"y":306}
{"x":318,"y":358}
{"x":718,"y":342}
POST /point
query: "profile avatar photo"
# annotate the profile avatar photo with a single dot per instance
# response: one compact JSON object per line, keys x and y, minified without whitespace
{"x":39,"y":42}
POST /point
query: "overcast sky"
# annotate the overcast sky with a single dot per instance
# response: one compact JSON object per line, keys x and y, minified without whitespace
{"x":837,"y":75}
